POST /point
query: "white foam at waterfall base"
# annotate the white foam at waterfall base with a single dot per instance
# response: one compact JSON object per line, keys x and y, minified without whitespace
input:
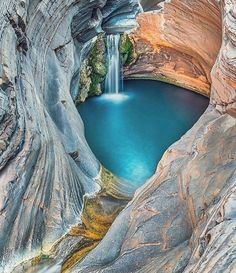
{"x":115,"y":98}
{"x":113,"y":80}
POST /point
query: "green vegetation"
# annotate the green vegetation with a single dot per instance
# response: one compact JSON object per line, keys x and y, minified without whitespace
{"x":85,"y":82}
{"x":93,"y":71}
{"x":127,"y":50}
{"x":94,"y":68}
{"x":97,"y":63}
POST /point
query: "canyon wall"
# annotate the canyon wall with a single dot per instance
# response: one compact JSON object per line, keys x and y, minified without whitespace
{"x":224,"y":71}
{"x":179,"y":219}
{"x":178,"y":44}
{"x":183,"y":219}
{"x":46,"y":166}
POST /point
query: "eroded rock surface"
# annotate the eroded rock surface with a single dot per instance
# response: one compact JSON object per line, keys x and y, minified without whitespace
{"x":46,"y":165}
{"x":178,"y":44}
{"x":183,"y":219}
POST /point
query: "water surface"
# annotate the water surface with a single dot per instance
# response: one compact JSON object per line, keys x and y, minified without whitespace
{"x":129,"y":133}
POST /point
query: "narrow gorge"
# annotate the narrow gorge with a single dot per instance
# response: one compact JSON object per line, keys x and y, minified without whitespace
{"x":66,"y":205}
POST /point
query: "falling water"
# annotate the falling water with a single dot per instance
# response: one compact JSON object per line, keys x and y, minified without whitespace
{"x":113,"y":80}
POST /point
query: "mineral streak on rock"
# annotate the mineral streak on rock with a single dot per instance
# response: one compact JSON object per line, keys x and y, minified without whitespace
{"x":99,"y":211}
{"x":178,"y":44}
{"x":46,"y":165}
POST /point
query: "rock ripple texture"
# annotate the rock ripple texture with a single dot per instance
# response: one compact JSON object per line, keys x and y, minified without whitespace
{"x":46,"y":165}
{"x":183,"y":218}
{"x":179,"y":44}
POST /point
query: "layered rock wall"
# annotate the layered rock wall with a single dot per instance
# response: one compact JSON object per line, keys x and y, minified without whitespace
{"x":178,"y":44}
{"x":183,"y":218}
{"x":46,"y":165}
{"x":224,"y":71}
{"x":179,"y":219}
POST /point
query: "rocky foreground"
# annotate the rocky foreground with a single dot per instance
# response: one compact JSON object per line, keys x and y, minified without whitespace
{"x":183,"y":219}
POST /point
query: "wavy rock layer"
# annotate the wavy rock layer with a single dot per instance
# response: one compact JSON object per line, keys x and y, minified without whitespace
{"x":224,"y":71}
{"x":184,"y":215}
{"x":46,"y":165}
{"x":183,"y":219}
{"x":178,"y":44}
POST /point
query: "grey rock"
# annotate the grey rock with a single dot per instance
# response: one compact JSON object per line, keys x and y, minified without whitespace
{"x":42,"y":183}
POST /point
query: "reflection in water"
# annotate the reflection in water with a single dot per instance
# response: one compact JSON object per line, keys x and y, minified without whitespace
{"x":129,"y":132}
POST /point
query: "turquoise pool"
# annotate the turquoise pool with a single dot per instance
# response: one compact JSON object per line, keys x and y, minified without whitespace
{"x":129,"y":132}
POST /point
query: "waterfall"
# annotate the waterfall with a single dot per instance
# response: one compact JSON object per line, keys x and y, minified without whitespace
{"x":113,"y":80}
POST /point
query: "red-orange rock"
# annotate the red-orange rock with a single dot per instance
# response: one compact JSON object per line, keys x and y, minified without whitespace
{"x":178,"y":45}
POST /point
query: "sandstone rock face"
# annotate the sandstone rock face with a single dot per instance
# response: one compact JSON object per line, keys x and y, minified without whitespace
{"x":183,"y":218}
{"x":46,"y":165}
{"x":178,"y":44}
{"x":224,"y":71}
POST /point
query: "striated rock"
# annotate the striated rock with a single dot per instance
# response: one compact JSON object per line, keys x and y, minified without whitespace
{"x":46,"y":165}
{"x":183,"y":218}
{"x":99,"y":211}
{"x":152,"y":233}
{"x":178,"y":44}
{"x":224,"y":71}
{"x":215,"y":241}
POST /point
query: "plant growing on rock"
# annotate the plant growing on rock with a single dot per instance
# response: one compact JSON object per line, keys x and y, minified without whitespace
{"x":93,"y":71}
{"x":85,"y":82}
{"x":127,"y":50}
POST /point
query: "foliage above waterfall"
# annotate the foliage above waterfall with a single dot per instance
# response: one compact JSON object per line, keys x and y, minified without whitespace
{"x":127,"y":50}
{"x":93,"y":70}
